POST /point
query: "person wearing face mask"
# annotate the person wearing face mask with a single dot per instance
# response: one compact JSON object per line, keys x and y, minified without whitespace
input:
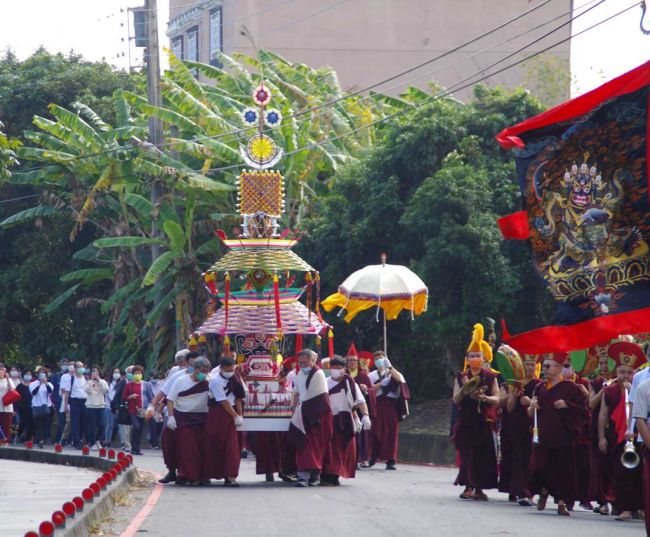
{"x":600,"y":481}
{"x":187,"y":406}
{"x":561,"y":408}
{"x":155,"y":422}
{"x":613,"y":430}
{"x":73,"y":389}
{"x":311,"y":427}
{"x":221,"y":448}
{"x":391,"y":408}
{"x":138,"y":395}
{"x":109,"y":415}
{"x":583,"y":461}
{"x":56,"y":397}
{"x":120,"y":408}
{"x":168,"y":440}
{"x":474,"y":390}
{"x":6,"y":411}
{"x":24,"y":407}
{"x":345,"y":398}
{"x":40,"y":390}
{"x":96,"y":390}
{"x":359,"y":373}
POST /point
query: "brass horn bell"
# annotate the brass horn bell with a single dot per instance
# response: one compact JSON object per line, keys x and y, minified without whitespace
{"x":630,"y":458}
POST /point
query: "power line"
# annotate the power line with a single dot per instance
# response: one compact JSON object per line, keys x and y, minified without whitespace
{"x":20,"y":198}
{"x":333,"y":101}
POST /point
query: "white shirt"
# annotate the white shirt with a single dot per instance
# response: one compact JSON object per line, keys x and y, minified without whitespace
{"x":41,"y":398}
{"x":385,"y":380}
{"x":110,"y":395}
{"x":218,"y":390}
{"x":291,"y":379}
{"x":6,"y":385}
{"x":639,"y":377}
{"x":78,"y":386}
{"x":300,"y":383}
{"x":96,"y":392}
{"x":167,"y":387}
{"x":358,"y":396}
{"x":197,"y":402}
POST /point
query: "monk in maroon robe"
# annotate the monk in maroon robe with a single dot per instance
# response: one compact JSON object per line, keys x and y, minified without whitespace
{"x":473,"y":436}
{"x":391,"y":408}
{"x":311,"y":425}
{"x":360,"y":375}
{"x":613,"y":429}
{"x":600,"y":482}
{"x":345,"y":399}
{"x":561,"y":409}
{"x":583,"y":458}
{"x":519,"y":399}
{"x":187,"y":404}
{"x":221,"y":443}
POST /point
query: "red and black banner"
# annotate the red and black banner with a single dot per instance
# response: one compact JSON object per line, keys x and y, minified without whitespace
{"x":583,"y":172}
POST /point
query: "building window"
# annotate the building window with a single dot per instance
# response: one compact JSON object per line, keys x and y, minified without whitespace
{"x":216,"y":36}
{"x":177,"y":47}
{"x":193,"y":44}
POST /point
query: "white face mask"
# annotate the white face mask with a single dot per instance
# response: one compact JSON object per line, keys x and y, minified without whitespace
{"x":336,"y":373}
{"x":117,"y":376}
{"x":305,"y":370}
{"x":15,"y":374}
{"x":227,"y":374}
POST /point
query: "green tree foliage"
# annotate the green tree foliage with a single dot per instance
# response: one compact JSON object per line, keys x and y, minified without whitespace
{"x":100,"y":174}
{"x":429,"y":195}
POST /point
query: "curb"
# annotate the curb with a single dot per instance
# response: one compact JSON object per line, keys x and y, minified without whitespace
{"x":102,"y":504}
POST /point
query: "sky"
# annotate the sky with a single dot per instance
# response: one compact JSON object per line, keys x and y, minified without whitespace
{"x":98,"y":30}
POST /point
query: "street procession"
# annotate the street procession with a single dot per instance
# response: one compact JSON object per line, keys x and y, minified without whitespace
{"x":264,"y":270}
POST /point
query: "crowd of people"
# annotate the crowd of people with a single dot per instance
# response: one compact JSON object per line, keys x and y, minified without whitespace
{"x":555,"y":434}
{"x":77,"y":406}
{"x":346,"y":415}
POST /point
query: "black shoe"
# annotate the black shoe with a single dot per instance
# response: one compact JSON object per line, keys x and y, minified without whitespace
{"x":180,"y":481}
{"x":230,"y":483}
{"x":244,"y":454}
{"x":171,"y":476}
{"x":314,"y":482}
{"x":390,"y":466}
{"x":372,"y":462}
{"x":288,"y":478}
{"x":136,"y":453}
{"x":270,"y":478}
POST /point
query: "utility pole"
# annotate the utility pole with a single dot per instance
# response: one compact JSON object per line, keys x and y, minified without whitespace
{"x":154,"y":98}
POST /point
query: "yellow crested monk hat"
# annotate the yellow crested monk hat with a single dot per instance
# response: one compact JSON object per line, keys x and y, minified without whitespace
{"x":478,"y":344}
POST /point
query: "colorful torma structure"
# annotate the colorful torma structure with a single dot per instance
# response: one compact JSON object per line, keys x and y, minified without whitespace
{"x":261,"y":314}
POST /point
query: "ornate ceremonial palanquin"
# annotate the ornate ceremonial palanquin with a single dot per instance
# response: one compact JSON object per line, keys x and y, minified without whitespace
{"x":259,"y":313}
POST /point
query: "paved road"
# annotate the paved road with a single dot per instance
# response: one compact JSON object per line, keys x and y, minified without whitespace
{"x":414,"y":501}
{"x":30,"y":492}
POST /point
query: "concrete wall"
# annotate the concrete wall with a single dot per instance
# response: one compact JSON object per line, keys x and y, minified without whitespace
{"x":369,"y":40}
{"x":426,"y":448}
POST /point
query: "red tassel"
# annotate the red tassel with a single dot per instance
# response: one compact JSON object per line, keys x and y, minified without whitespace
{"x":226,"y":301}
{"x":298,"y":343}
{"x":310,"y":282}
{"x":330,"y":343}
{"x":505,"y":333}
{"x":276,"y":297}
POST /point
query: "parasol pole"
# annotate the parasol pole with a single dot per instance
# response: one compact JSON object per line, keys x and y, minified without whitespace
{"x":385,"y":336}
{"x":383,"y":264}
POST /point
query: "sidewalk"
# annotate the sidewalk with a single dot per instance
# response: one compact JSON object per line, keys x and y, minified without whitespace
{"x":31,"y":492}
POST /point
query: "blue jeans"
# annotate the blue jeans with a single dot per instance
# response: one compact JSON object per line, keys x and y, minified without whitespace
{"x":109,"y":425}
{"x":77,"y":408}
{"x":94,"y":425}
